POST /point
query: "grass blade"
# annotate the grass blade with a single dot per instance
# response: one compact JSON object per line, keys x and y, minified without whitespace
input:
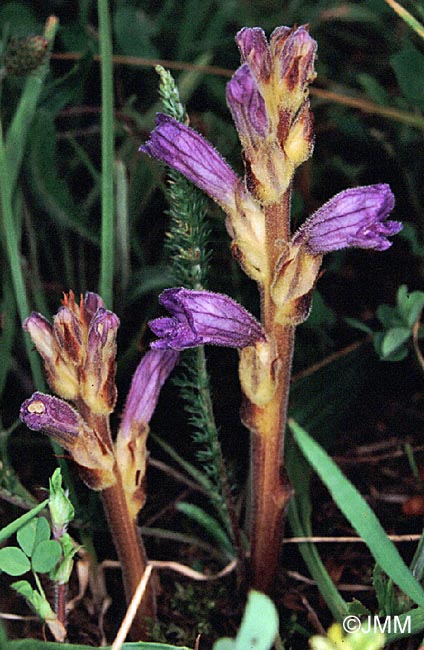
{"x":359,"y":514}
{"x":107,"y":234}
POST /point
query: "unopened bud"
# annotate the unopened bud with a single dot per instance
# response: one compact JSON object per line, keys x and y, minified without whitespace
{"x":25,"y":55}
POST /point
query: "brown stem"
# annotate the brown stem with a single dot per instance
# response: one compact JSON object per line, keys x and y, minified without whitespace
{"x":131,"y":554}
{"x":271,"y":490}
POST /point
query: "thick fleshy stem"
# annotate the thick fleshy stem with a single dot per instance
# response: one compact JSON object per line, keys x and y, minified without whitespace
{"x":126,"y":538}
{"x":271,"y":490}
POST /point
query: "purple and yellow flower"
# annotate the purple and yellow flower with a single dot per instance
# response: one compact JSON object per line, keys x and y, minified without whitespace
{"x":65,"y":425}
{"x":268,"y":98}
{"x":356,"y":217}
{"x":130,"y":446}
{"x":79,"y":350}
{"x":200,"y":317}
{"x":188,"y":152}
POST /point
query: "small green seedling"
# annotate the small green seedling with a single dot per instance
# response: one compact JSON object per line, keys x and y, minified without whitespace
{"x":43,"y":549}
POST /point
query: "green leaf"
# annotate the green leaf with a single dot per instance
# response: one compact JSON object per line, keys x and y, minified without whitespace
{"x":410,"y":306}
{"x":34,"y":599}
{"x":26,"y":537}
{"x":393,"y":339}
{"x":210,"y":524}
{"x":46,"y":555}
{"x":359,"y":514}
{"x":373,"y":88}
{"x":396,"y":355}
{"x":13,"y":561}
{"x":14,"y":526}
{"x":388,"y":316}
{"x":33,"y":533}
{"x":358,"y":325}
{"x":32,"y":644}
{"x":408,"y":65}
{"x":356,"y":608}
{"x":384,"y":592}
{"x":258,"y":628}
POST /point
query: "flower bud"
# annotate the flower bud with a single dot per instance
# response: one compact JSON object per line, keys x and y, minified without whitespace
{"x":24,"y":55}
{"x":61,"y":375}
{"x":98,"y":389}
{"x":61,"y":509}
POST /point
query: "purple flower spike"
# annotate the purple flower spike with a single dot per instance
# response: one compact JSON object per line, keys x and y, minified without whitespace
{"x":50,"y":414}
{"x":149,"y":377}
{"x":247,"y":106}
{"x":355,"y":217}
{"x":188,"y":152}
{"x":204,"y":317}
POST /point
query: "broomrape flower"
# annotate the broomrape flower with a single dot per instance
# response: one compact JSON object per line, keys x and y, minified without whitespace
{"x":200,"y":317}
{"x":188,"y":152}
{"x":130,"y":446}
{"x":79,"y":350}
{"x":356,"y":217}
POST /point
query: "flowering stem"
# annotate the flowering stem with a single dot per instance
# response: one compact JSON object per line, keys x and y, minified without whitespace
{"x":271,"y":490}
{"x":131,"y":554}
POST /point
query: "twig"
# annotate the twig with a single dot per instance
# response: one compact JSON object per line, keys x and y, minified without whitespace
{"x":132,"y":610}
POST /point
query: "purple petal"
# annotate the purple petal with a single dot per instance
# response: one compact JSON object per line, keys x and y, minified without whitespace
{"x":43,"y":412}
{"x":296,"y":52}
{"x":41,"y":333}
{"x":255,"y":51}
{"x":247,"y":106}
{"x":92,"y":302}
{"x":201,"y":317}
{"x":355,"y":217}
{"x":149,"y":377}
{"x":188,"y":152}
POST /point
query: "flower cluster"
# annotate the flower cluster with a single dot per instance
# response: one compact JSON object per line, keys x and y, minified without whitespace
{"x":268,"y":99}
{"x":78,"y":351}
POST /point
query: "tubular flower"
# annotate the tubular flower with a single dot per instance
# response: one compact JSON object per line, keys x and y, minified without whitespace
{"x":188,"y":152}
{"x":131,"y":453}
{"x":268,"y":98}
{"x":79,"y":350}
{"x":149,"y":377}
{"x":356,"y":217}
{"x":65,"y":425}
{"x":200,"y":317}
